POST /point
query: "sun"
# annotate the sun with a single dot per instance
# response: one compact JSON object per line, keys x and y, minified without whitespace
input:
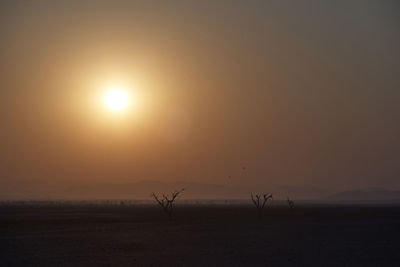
{"x":116,"y":99}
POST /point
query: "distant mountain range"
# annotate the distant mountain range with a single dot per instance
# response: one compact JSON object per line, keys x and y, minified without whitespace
{"x":378,"y":195}
{"x":144,"y":189}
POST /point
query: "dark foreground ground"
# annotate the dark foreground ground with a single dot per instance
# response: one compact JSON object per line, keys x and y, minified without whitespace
{"x":199,"y":236}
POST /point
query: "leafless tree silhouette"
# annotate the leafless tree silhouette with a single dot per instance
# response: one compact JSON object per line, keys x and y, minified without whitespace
{"x":167,"y":203}
{"x":260,"y":200}
{"x":290,"y":203}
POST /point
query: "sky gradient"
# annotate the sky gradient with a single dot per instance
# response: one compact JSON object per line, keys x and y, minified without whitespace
{"x":298,"y":92}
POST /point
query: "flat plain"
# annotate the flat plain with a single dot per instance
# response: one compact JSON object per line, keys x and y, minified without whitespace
{"x":198,"y":235}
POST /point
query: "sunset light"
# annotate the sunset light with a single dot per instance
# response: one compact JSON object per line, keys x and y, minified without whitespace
{"x":116,"y":99}
{"x":199,"y":133}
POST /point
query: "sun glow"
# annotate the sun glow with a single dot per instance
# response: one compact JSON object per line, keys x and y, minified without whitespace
{"x":116,"y":99}
{"x":119,"y":100}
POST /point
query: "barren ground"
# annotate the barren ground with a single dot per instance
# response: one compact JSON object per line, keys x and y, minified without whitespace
{"x":199,"y":236}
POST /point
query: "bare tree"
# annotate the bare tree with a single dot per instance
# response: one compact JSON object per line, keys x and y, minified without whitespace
{"x":260,"y":201}
{"x":166,"y":202}
{"x":290,"y":203}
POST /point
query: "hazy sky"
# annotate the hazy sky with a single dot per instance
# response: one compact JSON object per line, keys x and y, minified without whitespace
{"x":299,"y":92}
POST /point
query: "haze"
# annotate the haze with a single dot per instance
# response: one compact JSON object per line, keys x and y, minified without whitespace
{"x":298,"y":94}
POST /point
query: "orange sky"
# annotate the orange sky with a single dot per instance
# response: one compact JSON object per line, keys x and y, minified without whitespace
{"x":300,"y":94}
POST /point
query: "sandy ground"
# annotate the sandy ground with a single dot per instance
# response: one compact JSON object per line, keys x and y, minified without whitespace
{"x":199,"y":236}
